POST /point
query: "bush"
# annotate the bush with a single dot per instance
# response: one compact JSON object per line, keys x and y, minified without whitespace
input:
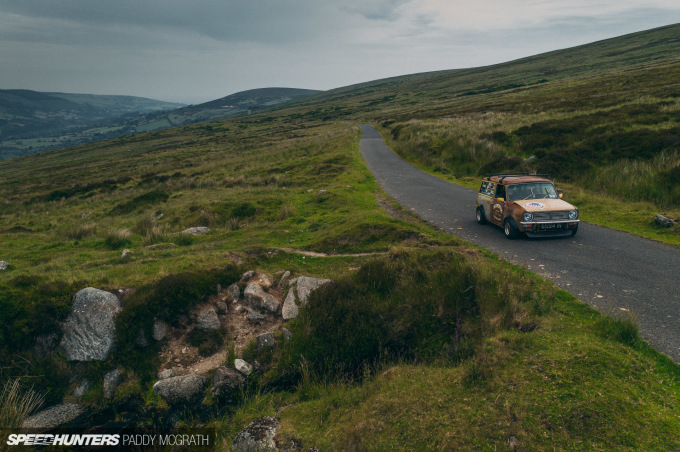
{"x":421,"y":306}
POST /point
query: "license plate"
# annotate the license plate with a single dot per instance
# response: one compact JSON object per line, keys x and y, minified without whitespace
{"x":549,"y":227}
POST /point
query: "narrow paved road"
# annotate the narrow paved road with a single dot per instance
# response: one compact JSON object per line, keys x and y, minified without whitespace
{"x":615,"y":272}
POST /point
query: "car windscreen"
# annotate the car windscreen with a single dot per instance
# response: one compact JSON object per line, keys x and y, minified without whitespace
{"x":536,"y":190}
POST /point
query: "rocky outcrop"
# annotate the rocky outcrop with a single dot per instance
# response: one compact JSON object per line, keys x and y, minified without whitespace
{"x":186,"y":389}
{"x":257,"y":298}
{"x":227,"y":384}
{"x":257,"y":436}
{"x":62,"y":415}
{"x":208,"y":320}
{"x":290,"y":309}
{"x":89,"y":330}
{"x":305,"y":286}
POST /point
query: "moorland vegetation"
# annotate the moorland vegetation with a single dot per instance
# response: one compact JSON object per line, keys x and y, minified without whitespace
{"x":421,"y":341}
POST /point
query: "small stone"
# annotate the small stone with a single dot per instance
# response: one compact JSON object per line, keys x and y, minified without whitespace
{"x":255,"y":316}
{"x":222,"y":307}
{"x":243,"y":367}
{"x":233,"y":293}
{"x":4,"y":265}
{"x":111,"y":382}
{"x":85,"y":215}
{"x":256,"y":297}
{"x":160,"y":330}
{"x":198,"y":230}
{"x":290,"y":309}
{"x":82,"y":388}
{"x":664,"y":221}
{"x":168,"y":373}
{"x":125,"y":253}
{"x":284,"y":278}
{"x":247,"y":275}
{"x":208,"y":320}
{"x":287,"y":334}
{"x":265,"y":340}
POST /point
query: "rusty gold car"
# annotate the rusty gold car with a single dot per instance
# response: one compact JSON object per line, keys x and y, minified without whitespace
{"x":525,"y":203}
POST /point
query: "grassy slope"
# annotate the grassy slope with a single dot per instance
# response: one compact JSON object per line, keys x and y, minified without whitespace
{"x":569,"y":383}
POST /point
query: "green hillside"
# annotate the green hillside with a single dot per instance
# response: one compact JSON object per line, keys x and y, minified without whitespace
{"x":421,"y":341}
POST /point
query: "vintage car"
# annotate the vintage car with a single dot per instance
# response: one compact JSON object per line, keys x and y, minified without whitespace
{"x":528,"y":203}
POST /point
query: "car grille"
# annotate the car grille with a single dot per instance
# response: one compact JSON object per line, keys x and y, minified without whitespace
{"x":547,"y":216}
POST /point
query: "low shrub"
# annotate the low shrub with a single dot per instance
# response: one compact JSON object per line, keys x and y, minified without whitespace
{"x":147,"y":199}
{"x":426,"y":305}
{"x":118,"y":238}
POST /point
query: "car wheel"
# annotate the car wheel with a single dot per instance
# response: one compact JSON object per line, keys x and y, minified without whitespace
{"x":481,"y":218}
{"x":510,"y":228}
{"x":574,"y":231}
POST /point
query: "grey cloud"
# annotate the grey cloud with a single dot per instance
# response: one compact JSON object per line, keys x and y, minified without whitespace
{"x":255,"y":21}
{"x":386,"y":10}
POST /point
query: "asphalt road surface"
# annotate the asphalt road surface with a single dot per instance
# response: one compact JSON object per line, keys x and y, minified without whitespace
{"x":615,"y":272}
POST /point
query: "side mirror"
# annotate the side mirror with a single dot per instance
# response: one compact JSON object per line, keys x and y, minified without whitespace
{"x":559,"y":192}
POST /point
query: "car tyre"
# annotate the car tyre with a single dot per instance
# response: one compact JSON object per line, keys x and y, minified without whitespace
{"x":481,"y":218}
{"x":510,"y":228}
{"x":574,"y":231}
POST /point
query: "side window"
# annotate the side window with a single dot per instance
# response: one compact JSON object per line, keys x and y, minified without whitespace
{"x":490,"y":189}
{"x":500,"y":193}
{"x":483,"y":189}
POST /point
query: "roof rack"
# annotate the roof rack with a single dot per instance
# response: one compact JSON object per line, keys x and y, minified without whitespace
{"x":504,"y":175}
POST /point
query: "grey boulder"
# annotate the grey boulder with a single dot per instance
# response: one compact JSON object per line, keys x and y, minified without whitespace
{"x":290,"y":310}
{"x":259,"y":299}
{"x":57,"y":416}
{"x":89,"y":330}
{"x":257,"y":436}
{"x":185,"y":389}
{"x":227,"y":384}
{"x":208,"y":320}
{"x":306,"y":285}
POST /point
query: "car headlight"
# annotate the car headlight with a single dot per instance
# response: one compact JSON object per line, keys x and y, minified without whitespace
{"x":573,"y":214}
{"x":528,"y":216}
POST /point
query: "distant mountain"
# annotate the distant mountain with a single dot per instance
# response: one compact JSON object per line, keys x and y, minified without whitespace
{"x":33,"y":122}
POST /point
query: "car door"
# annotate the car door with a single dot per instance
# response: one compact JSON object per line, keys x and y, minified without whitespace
{"x":498,"y":207}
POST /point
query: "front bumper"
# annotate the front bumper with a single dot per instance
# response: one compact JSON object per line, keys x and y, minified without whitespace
{"x":542,"y":227}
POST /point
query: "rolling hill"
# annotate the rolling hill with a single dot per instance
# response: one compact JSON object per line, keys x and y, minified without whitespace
{"x":33,"y":122}
{"x":422,"y":342}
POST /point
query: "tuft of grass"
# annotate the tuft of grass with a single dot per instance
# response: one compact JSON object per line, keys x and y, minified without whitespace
{"x":118,"y":238}
{"x":625,"y":331}
{"x":17,"y":403}
{"x":80,"y":232}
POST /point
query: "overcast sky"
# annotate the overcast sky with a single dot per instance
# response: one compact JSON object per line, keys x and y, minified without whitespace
{"x":193,"y":51}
